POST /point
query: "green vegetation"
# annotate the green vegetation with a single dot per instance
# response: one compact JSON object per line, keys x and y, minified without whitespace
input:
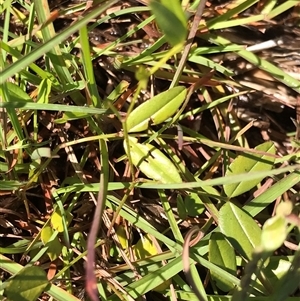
{"x":129,"y":168}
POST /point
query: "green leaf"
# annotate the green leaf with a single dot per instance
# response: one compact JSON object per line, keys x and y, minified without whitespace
{"x":157,"y":109}
{"x":276,"y":190}
{"x":274,"y":233}
{"x":30,"y":105}
{"x":222,"y":254}
{"x":57,"y":220}
{"x":142,"y":75}
{"x":12,"y":69}
{"x":121,"y":233}
{"x":117,"y":92}
{"x":249,"y":163}
{"x":20,"y":246}
{"x":11,"y":185}
{"x":145,"y":248}
{"x":171,"y":20}
{"x":181,"y":208}
{"x":152,"y":162}
{"x":153,"y":279}
{"x":42,"y":152}
{"x":193,"y":204}
{"x":55,"y":292}
{"x":27,"y":285}
{"x":67,"y":116}
{"x":15,"y":93}
{"x":204,"y":61}
{"x":276,"y":269}
{"x":51,"y":240}
{"x":240,"y":229}
{"x":288,"y":283}
{"x":114,"y":250}
{"x":44,"y":91}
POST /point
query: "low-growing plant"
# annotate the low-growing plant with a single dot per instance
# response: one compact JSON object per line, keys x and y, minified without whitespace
{"x":127,"y":170}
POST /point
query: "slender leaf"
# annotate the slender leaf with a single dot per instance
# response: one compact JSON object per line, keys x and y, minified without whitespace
{"x":51,"y":107}
{"x":38,"y":52}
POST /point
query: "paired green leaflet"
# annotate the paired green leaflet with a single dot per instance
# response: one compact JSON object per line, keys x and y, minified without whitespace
{"x":156,"y":110}
{"x":151,"y":161}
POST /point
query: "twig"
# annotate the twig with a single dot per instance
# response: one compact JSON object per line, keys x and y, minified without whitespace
{"x":190,"y":40}
{"x":91,"y":280}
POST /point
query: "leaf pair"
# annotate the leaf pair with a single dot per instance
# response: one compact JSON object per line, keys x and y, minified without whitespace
{"x":171,"y":19}
{"x":156,"y":110}
{"x":151,"y":161}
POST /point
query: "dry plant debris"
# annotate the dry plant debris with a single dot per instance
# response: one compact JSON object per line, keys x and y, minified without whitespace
{"x":173,"y":118}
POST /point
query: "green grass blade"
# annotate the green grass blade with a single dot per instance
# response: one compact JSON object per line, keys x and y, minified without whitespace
{"x":46,"y":47}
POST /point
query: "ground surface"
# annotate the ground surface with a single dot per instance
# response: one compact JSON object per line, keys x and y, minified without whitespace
{"x":52,"y":158}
